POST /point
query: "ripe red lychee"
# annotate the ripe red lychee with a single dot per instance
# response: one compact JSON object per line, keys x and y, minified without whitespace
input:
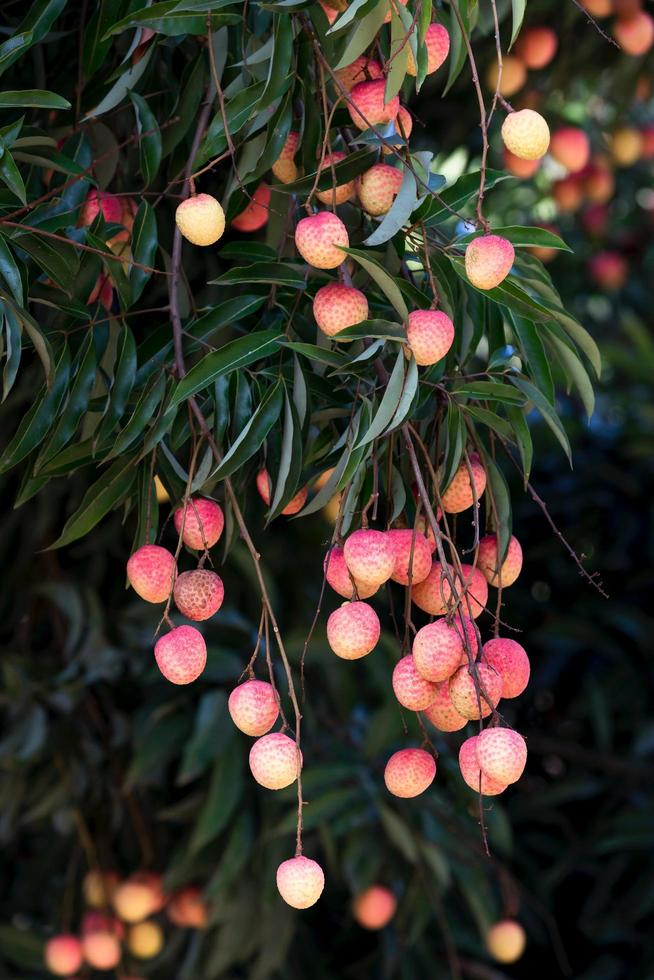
{"x":375,"y":907}
{"x":361,"y":70}
{"x":519,"y":168}
{"x":506,"y":940}
{"x":264,"y":486}
{"x":200,"y":219}
{"x":474,"y":588}
{"x":203,"y":524}
{"x":409,"y":772}
{"x":378,"y":187}
{"x":412,"y":553}
{"x":337,"y":306}
{"x":488,"y":261}
{"x":370,"y":556}
{"x":275,"y":760}
{"x":568,"y":193}
{"x":635,"y":35}
{"x":537,"y":46}
{"x":570,"y":146}
{"x":319,"y":238}
{"x":253,"y":707}
{"x":433,"y":594}
{"x":502,"y":754}
{"x":181,"y":654}
{"x":63,"y":955}
{"x":188,"y":909}
{"x":599,"y":182}
{"x":151,"y":570}
{"x":609,"y":270}
{"x":438,"y":648}
{"x":101,"y":949}
{"x":284,"y":168}
{"x":410,"y":688}
{"x":198,"y":594}
{"x":430,"y":334}
{"x":511,"y":662}
{"x":442,"y":713}
{"x":96,"y":201}
{"x":514,"y":76}
{"x":341,"y":192}
{"x":368,"y":106}
{"x":300,"y":882}
{"x":437,"y":42}
{"x":338,"y":576}
{"x":487,"y":561}
{"x":526,"y":134}
{"x":463,"y":691}
{"x":458,"y":495}
{"x":353,"y":630}
{"x":471,"y":771}
{"x":255,"y":215}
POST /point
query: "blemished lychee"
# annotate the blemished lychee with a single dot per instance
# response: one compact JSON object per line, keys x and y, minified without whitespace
{"x":101,"y":950}
{"x":437,"y":649}
{"x":537,"y":46}
{"x":473,"y":588}
{"x":526,"y":134}
{"x":98,"y":887}
{"x":264,"y":486}
{"x":253,"y":707}
{"x":341,"y":192}
{"x":187,"y":908}
{"x":463,"y":691}
{"x":63,"y":955}
{"x":370,"y":556}
{"x":626,"y":146}
{"x":609,"y":270}
{"x":134,"y":900}
{"x":198,"y":594}
{"x":506,"y":940}
{"x":353,"y":630}
{"x":570,"y":146}
{"x":151,"y":570}
{"x":361,"y":70}
{"x":514,"y":76}
{"x":403,"y":124}
{"x":96,"y":201}
{"x":300,"y":882}
{"x":433,"y":595}
{"x":337,"y":306}
{"x":488,"y":261}
{"x":471,"y":771}
{"x":275,"y":760}
{"x":635,"y":35}
{"x":203,"y":524}
{"x":378,"y":187}
{"x":518,"y":167}
{"x":430,"y":334}
{"x":368,"y":106}
{"x":200,"y":219}
{"x":506,"y":573}
{"x":502,"y":754}
{"x":375,"y":907}
{"x":411,"y":689}
{"x":319,"y":239}
{"x":412,"y":554}
{"x":255,"y":215}
{"x":338,"y":576}
{"x":437,"y":42}
{"x":181,"y":654}
{"x":511,"y":662}
{"x":284,"y":168}
{"x":145,"y":940}
{"x":409,"y":772}
{"x":442,"y":713}
{"x":458,"y":495}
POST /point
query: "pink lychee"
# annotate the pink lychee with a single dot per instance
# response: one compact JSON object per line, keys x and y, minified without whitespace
{"x":255,"y":215}
{"x":570,"y":146}
{"x":471,"y":771}
{"x":300,"y":881}
{"x":198,"y":594}
{"x":341,"y":192}
{"x":378,"y":187}
{"x":203,"y":525}
{"x":362,"y":69}
{"x":353,"y":630}
{"x":438,"y":648}
{"x":442,"y":713}
{"x":337,"y":306}
{"x":458,"y":495}
{"x":537,"y":46}
{"x":63,"y":955}
{"x":318,"y":239}
{"x":101,"y":950}
{"x":473,"y":588}
{"x":368,"y":106}
{"x":96,"y":201}
{"x":264,"y":486}
{"x":437,"y":42}
{"x":409,"y":772}
{"x":433,"y":595}
{"x":412,"y":554}
{"x":151,"y":571}
{"x":375,"y":907}
{"x":403,"y":125}
{"x":635,"y":34}
{"x":410,"y":688}
{"x":338,"y":576}
{"x":181,"y":654}
{"x":511,"y":662}
{"x":430,"y":334}
{"x":275,"y":760}
{"x":463,"y":691}
{"x":370,"y":556}
{"x":488,"y":261}
{"x":253,"y":707}
{"x":494,"y":573}
{"x":502,"y":754}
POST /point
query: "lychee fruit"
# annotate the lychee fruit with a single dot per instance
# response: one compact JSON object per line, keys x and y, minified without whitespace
{"x":412,"y":554}
{"x":433,"y":594}
{"x":338,"y":576}
{"x":253,"y":707}
{"x":488,"y":261}
{"x":63,"y":955}
{"x":471,"y":771}
{"x":570,"y":146}
{"x":526,"y":134}
{"x":203,"y":524}
{"x":300,"y":882}
{"x":378,"y":187}
{"x":410,"y":688}
{"x":319,"y":239}
{"x":463,"y":691}
{"x":98,"y":887}
{"x":341,"y":192}
{"x":568,"y":193}
{"x":487,"y":561}
{"x":609,"y":270}
{"x":135,"y":899}
{"x":506,"y":940}
{"x":511,"y":662}
{"x":473,"y":588}
{"x":368,"y":106}
{"x":96,"y":201}
{"x":409,"y":772}
{"x":362,"y":69}
{"x":188,"y":909}
{"x":145,"y":940}
{"x":370,"y":556}
{"x":353,"y":630}
{"x":518,"y":167}
{"x":337,"y":306}
{"x":255,"y":215}
{"x":598,"y":8}
{"x":599,"y":182}
{"x":275,"y":760}
{"x":437,"y":42}
{"x":375,"y":907}
{"x":430,"y":334}
{"x":181,"y":654}
{"x":198,"y":594}
{"x":647,"y":133}
{"x":442,"y":713}
{"x":537,"y":46}
{"x":100,"y":922}
{"x":438,"y":647}
{"x":264,"y":486}
{"x":284,"y":168}
{"x":502,"y":754}
{"x":101,"y":950}
{"x":626,"y":146}
{"x":635,"y":35}
{"x":200,"y":219}
{"x":458,"y":495}
{"x":151,"y":570}
{"x":514,"y":76}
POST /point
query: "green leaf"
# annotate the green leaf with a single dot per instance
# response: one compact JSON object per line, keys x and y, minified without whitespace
{"x":78,"y":399}
{"x":399,"y":213}
{"x":32,"y":98}
{"x":522,"y":237}
{"x":455,"y":442}
{"x":487,"y":391}
{"x":389,"y":402}
{"x":518,"y":8}
{"x":238,"y":110}
{"x":290,"y":463}
{"x":104,"y":495}
{"x":252,"y":436}
{"x":143,"y":246}
{"x":166,"y":18}
{"x":534,"y":355}
{"x":409,"y":392}
{"x":384,"y":329}
{"x":122,"y":384}
{"x":362,"y":34}
{"x":343,"y":468}
{"x":270,"y":273}
{"x":149,"y":138}
{"x":236,"y":354}
{"x":314,"y":353}
{"x":399,"y":833}
{"x":10,"y":175}
{"x":548,"y":413}
{"x":14,"y":47}
{"x":143,"y":414}
{"x":59,"y":261}
{"x":13,"y":349}
{"x":399,"y":57}
{"x":9,"y":272}
{"x":522,"y":437}
{"x":499,"y":489}
{"x":224,"y":793}
{"x":385,"y":282}
{"x":441,"y":206}
{"x":121,"y":87}
{"x":346,"y":170}
{"x":96,"y":45}
{"x":577,"y":373}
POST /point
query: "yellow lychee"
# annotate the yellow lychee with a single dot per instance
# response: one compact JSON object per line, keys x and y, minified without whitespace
{"x":201,"y":219}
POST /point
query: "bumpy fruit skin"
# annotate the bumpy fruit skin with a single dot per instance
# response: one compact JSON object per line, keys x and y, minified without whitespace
{"x":433,"y":594}
{"x":635,"y":35}
{"x":198,"y":594}
{"x":506,"y":940}
{"x":275,"y":761}
{"x":377,"y":188}
{"x":375,"y":907}
{"x":338,"y":576}
{"x":319,"y":238}
{"x":626,"y":146}
{"x":537,"y":46}
{"x":255,"y":215}
{"x":464,"y":693}
{"x":284,"y":167}
{"x":264,"y":487}
{"x":409,"y":773}
{"x":437,"y":650}
{"x":181,"y":655}
{"x":471,"y":771}
{"x":362,"y":69}
{"x":404,"y":541}
{"x":430,"y":334}
{"x":511,"y":662}
{"x":342,"y":192}
{"x":353,"y":630}
{"x":526,"y":134}
{"x":150,"y":571}
{"x":609,"y":270}
{"x":458,"y":495}
{"x":101,"y":950}
{"x":488,"y":261}
{"x":442,"y":713}
{"x":571,"y":148}
{"x":200,"y":219}
{"x":437,"y":42}
{"x":96,"y":201}
{"x":188,"y":909}
{"x":370,"y":556}
{"x":204,"y":523}
{"x":253,"y":707}
{"x":514,"y":76}
{"x":145,"y":940}
{"x":63,"y":955}
{"x":337,"y":306}
{"x":506,"y":574}
{"x":410,"y":688}
{"x":369,"y":99}
{"x":476,"y":590}
{"x":518,"y":167}
{"x":502,"y":754}
{"x":300,"y":882}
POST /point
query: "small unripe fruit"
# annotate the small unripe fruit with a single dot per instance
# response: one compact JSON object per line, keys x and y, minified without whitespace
{"x":188,"y":909}
{"x":506,"y":940}
{"x":514,"y":76}
{"x":626,"y":146}
{"x":571,"y":148}
{"x":361,"y":70}
{"x":353,"y":630}
{"x":438,"y":648}
{"x":203,"y":524}
{"x":409,"y":773}
{"x":609,"y":270}
{"x":463,"y":691}
{"x":319,"y":238}
{"x":502,"y":754}
{"x":98,"y":887}
{"x":151,"y":571}
{"x":511,"y":662}
{"x":198,"y":594}
{"x":63,"y":955}
{"x":537,"y":46}
{"x":101,"y":950}
{"x":519,"y":168}
{"x":495,"y":574}
{"x":458,"y":495}
{"x":370,"y":556}
{"x":473,"y":587}
{"x":275,"y":761}
{"x":442,"y":713}
{"x":255,"y":215}
{"x":284,"y":167}
{"x":410,"y":688}
{"x":97,"y":201}
{"x":200,"y":219}
{"x":337,"y":306}
{"x":437,"y":42}
{"x":378,"y":187}
{"x":338,"y":576}
{"x":526,"y":134}
{"x":342,"y":192}
{"x":370,"y":101}
{"x":375,"y":907}
{"x":471,"y":771}
{"x":433,"y":594}
{"x":635,"y":35}
{"x":253,"y":707}
{"x":300,"y":882}
{"x":412,"y":554}
{"x":264,"y":486}
{"x":430,"y":334}
{"x":488,"y":261}
{"x":181,"y":654}
{"x":145,"y":940}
